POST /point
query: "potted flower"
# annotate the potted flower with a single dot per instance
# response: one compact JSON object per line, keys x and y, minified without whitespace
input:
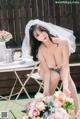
{"x":4,"y":37}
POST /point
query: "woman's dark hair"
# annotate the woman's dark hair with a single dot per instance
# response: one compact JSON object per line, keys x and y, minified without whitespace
{"x":34,"y":43}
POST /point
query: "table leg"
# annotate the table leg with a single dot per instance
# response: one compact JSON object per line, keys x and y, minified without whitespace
{"x":23,"y":85}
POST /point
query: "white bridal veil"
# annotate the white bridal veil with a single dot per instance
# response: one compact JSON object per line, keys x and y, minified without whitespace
{"x":54,"y":30}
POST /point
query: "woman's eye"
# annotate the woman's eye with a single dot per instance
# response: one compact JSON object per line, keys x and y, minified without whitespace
{"x":37,"y":35}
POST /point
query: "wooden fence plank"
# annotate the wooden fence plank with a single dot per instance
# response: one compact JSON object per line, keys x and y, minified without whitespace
{"x":46,"y":10}
{"x":28,"y":10}
{"x":4,"y":21}
{"x":34,"y":9}
{"x":40,"y":9}
{"x":76,"y":20}
{"x":52,"y":11}
{"x":57,"y":14}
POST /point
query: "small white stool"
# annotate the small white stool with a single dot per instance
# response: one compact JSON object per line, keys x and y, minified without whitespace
{"x":38,"y":79}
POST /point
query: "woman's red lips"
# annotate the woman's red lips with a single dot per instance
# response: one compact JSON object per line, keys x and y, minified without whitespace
{"x":44,"y":38}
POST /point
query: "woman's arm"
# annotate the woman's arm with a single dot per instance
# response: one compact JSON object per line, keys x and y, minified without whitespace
{"x":65,"y":68}
{"x":46,"y":73}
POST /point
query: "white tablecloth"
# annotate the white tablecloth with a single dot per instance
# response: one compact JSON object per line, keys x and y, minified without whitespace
{"x":17,"y":65}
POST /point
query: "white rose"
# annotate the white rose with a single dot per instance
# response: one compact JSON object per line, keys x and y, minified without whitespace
{"x":39,"y":96}
{"x":69,"y":99}
{"x":40,"y":106}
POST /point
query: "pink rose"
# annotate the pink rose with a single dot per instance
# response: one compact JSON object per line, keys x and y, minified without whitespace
{"x":78,"y":114}
{"x":34,"y":112}
{"x":51,"y":116}
{"x":59,"y":95}
{"x":57,"y":103}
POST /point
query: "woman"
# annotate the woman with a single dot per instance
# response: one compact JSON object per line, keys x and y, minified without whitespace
{"x":52,"y":46}
{"x":53,"y":55}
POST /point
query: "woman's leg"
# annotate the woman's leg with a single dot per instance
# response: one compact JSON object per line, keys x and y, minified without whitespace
{"x":55,"y":77}
{"x":50,"y":84}
{"x":73,"y":90}
{"x":46,"y":79}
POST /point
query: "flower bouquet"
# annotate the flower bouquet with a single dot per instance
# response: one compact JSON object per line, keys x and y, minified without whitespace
{"x":57,"y":106}
{"x":5,"y":36}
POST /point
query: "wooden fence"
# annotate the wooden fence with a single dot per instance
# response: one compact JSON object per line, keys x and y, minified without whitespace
{"x":14,"y":15}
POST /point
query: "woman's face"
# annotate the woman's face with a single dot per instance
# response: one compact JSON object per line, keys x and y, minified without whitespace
{"x":40,"y":35}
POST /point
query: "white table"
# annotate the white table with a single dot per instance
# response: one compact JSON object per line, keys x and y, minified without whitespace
{"x":21,"y":65}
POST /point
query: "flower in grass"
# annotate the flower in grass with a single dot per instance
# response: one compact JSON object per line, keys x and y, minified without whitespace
{"x":38,"y":117}
{"x":58,"y":106}
{"x":69,"y":99}
{"x":40,"y":106}
{"x":61,"y":113}
{"x":39,"y":95}
{"x":34,"y":112}
{"x":57,"y":103}
{"x":61,"y":100}
{"x":59,"y":95}
{"x":51,"y":116}
{"x":78,"y":114}
{"x":58,"y":98}
{"x":36,"y":107}
{"x":69,"y":106}
{"x":25,"y":117}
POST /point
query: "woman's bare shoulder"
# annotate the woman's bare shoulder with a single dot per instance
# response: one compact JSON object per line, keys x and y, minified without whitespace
{"x":61,"y":41}
{"x":64,"y":45}
{"x":64,"y":42}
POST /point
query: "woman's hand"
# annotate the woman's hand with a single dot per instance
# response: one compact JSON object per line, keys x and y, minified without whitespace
{"x":67,"y":92}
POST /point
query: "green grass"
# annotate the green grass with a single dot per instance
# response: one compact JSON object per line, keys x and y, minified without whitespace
{"x":14,"y":108}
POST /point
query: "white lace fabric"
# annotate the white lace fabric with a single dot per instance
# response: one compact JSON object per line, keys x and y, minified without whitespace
{"x":54,"y":30}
